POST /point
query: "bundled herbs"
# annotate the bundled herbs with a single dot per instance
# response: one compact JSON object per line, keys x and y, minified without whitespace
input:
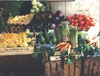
{"x":85,"y":46}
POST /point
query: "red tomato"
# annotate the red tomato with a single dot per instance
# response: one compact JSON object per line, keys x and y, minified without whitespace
{"x":80,"y":15}
{"x":90,"y":18}
{"x":88,"y":23}
{"x":72,"y":20}
{"x":82,"y":22}
{"x":80,"y":28}
{"x":80,"y":18}
{"x":85,"y":16}
{"x":88,"y":27}
{"x":75,"y":14}
{"x":92,"y":23}
{"x":74,"y":17}
{"x":67,"y":17}
{"x":76,"y":24}
{"x":87,"y":19}
{"x":76,"y":20}
{"x":83,"y":27}
{"x":72,"y":24}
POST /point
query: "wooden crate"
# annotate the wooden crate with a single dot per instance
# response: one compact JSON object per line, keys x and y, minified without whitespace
{"x":16,"y":51}
{"x":55,"y":68}
{"x":83,"y":67}
{"x":92,"y":66}
{"x":19,"y":50}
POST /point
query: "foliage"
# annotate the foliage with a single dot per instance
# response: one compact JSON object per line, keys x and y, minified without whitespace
{"x":85,"y":46}
{"x":11,"y":9}
{"x":40,"y":51}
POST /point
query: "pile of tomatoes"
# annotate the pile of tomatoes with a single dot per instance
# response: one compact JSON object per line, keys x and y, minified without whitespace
{"x":82,"y":22}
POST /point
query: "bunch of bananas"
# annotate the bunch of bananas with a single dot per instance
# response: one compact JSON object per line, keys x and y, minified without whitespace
{"x":14,"y":40}
{"x":21,"y":19}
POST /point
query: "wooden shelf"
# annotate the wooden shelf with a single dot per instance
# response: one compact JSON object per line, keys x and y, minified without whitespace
{"x":58,"y":0}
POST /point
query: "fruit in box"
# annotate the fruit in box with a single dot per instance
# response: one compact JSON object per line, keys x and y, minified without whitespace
{"x":21,"y":19}
{"x":15,"y":40}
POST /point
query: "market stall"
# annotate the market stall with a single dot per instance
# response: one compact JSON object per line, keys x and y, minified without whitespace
{"x":61,"y":43}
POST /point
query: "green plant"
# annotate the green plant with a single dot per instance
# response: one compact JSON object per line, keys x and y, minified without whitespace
{"x":41,"y":49}
{"x":84,"y":46}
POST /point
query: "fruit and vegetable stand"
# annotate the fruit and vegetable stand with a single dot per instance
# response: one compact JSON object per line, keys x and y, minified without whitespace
{"x":62,"y":42}
{"x":13,"y":44}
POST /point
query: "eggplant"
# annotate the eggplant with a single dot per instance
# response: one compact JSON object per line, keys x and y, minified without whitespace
{"x":59,"y":14}
{"x":63,"y":18}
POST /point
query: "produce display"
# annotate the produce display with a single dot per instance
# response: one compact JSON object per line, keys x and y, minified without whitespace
{"x":24,"y":19}
{"x":64,"y":46}
{"x":82,"y":22}
{"x":16,"y":28}
{"x":13,"y":40}
{"x":41,"y":21}
{"x":47,"y":20}
{"x":56,"y":19}
{"x":54,"y":32}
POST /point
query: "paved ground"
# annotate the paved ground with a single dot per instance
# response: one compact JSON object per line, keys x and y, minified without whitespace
{"x":21,"y":66}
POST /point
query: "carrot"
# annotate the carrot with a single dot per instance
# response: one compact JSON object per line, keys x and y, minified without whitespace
{"x":66,"y":47}
{"x":69,"y":48}
{"x":59,"y":47}
{"x":61,"y":43}
{"x":63,"y":48}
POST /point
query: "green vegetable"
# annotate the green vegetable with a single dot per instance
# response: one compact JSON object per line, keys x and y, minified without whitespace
{"x":50,"y":42}
{"x":65,"y":31}
{"x":42,"y":39}
{"x":74,"y":37}
{"x":54,"y":39}
{"x":69,"y":61}
{"x":58,"y":33}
